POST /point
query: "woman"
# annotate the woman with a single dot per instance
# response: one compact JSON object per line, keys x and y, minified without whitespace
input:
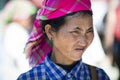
{"x":63,"y":30}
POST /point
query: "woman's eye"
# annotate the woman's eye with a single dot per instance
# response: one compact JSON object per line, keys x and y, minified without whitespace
{"x":75,"y":32}
{"x":91,"y":30}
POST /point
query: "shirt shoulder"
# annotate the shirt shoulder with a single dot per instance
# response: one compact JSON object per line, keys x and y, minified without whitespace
{"x":102,"y":75}
{"x":100,"y":72}
{"x":37,"y":72}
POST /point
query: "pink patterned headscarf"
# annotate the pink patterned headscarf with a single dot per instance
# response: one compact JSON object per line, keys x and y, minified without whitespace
{"x":38,"y":47}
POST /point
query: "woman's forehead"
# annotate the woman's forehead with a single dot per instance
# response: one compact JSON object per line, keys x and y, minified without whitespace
{"x":77,"y":19}
{"x":78,"y":23}
{"x":78,"y":14}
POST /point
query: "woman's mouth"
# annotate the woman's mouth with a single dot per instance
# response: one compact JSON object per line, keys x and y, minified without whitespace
{"x":80,"y":49}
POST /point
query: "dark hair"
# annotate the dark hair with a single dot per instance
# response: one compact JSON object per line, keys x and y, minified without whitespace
{"x":58,"y":22}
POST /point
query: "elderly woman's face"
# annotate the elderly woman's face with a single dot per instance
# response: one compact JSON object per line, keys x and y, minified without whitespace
{"x":73,"y":38}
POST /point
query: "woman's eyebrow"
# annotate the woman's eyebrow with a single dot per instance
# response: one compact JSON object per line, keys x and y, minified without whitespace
{"x":77,"y":28}
{"x":90,"y":28}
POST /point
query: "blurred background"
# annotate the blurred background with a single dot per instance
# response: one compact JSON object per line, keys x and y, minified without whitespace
{"x":16,"y":22}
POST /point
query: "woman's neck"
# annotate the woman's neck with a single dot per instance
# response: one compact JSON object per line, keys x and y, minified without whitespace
{"x":58,"y":59}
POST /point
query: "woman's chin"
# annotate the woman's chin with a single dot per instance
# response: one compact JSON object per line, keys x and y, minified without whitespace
{"x":77,"y":55}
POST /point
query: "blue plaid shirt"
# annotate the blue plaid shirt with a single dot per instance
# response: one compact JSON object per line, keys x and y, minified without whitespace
{"x":48,"y":70}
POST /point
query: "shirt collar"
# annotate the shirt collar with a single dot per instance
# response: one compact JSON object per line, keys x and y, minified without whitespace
{"x":56,"y":71}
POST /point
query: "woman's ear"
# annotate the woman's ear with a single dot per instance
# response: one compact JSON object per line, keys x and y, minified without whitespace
{"x":48,"y":31}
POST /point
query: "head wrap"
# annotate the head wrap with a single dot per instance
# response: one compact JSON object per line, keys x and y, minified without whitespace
{"x":38,"y":47}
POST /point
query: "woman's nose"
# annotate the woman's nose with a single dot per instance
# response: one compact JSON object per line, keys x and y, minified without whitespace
{"x":82,"y":41}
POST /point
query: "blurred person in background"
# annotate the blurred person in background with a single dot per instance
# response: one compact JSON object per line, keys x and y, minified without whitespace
{"x":112,"y":34}
{"x":37,"y":3}
{"x":20,"y":16}
{"x":2,"y":4}
{"x":100,"y":13}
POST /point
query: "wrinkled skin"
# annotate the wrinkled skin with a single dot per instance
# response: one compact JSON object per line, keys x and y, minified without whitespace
{"x":70,"y":42}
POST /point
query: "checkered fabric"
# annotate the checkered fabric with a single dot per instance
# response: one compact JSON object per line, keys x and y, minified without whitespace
{"x":47,"y":70}
{"x":38,"y":47}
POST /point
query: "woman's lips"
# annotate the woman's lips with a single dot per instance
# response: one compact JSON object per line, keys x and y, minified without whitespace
{"x":80,"y":50}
